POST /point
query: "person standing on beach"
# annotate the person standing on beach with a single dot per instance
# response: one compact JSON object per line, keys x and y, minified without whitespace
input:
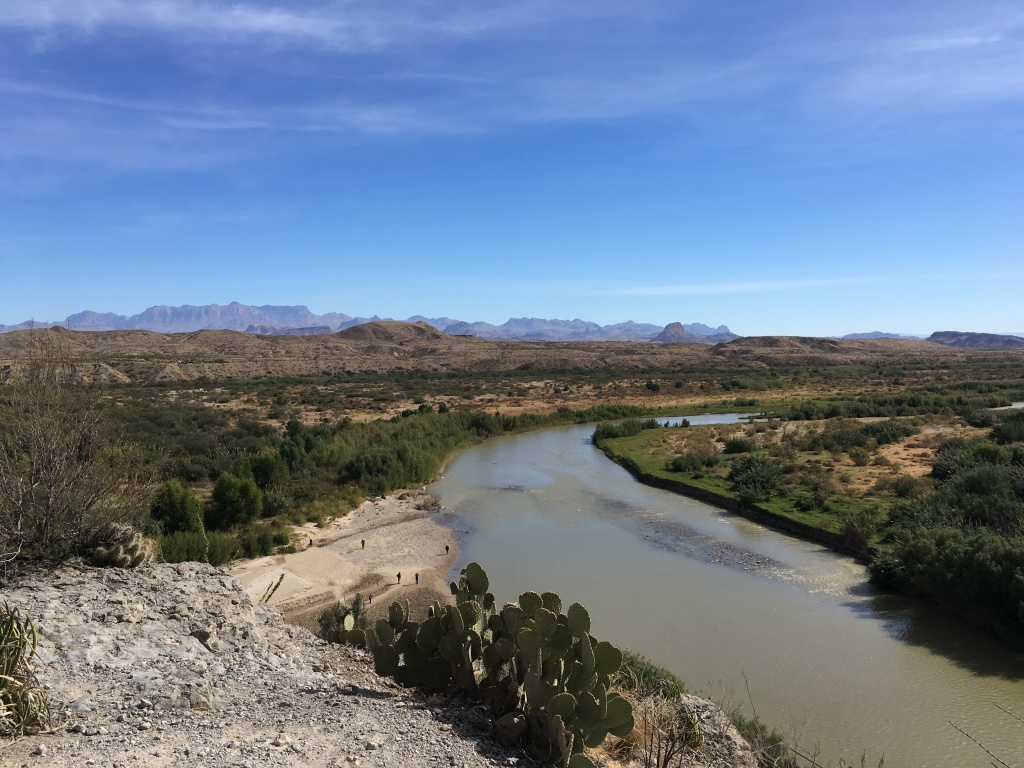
{"x":399,"y":577}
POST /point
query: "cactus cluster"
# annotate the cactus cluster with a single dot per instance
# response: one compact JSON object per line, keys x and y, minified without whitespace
{"x":529,"y":657}
{"x":118,"y":545}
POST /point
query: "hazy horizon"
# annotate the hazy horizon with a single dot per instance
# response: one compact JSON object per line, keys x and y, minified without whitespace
{"x":804,"y":169}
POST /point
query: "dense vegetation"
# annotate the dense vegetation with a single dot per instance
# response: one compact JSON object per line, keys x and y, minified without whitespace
{"x":963,"y":544}
{"x":802,"y":479}
{"x":956,"y":537}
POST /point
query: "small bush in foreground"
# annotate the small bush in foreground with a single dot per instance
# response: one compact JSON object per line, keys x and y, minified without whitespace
{"x":644,"y":677}
{"x":23,"y":704}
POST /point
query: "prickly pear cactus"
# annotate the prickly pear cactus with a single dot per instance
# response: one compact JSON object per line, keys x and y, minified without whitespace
{"x":528,"y":657}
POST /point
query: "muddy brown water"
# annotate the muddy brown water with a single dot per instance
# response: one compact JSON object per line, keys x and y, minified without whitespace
{"x":730,"y":606}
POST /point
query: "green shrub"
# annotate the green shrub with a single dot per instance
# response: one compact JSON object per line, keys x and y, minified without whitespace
{"x":904,"y":487}
{"x":626,"y":428}
{"x":979,"y":418}
{"x":177,"y":510}
{"x":739,"y":445}
{"x":645,"y":678}
{"x":860,"y":456}
{"x":888,"y":431}
{"x":223,"y":548}
{"x":256,"y":542}
{"x":184,"y":546}
{"x":694,"y":461}
{"x":276,"y":504}
{"x":235,"y":502}
{"x":755,"y":478}
{"x":269,"y":470}
{"x":1011,"y":430}
{"x":859,"y":525}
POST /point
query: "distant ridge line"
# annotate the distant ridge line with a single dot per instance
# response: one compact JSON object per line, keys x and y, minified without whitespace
{"x":277,"y":320}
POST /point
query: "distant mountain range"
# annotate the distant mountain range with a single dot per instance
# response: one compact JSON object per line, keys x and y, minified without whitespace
{"x":881,"y":335}
{"x":964,"y":340}
{"x":300,"y":321}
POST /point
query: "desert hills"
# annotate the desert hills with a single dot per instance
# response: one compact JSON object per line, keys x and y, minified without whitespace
{"x":396,"y":346}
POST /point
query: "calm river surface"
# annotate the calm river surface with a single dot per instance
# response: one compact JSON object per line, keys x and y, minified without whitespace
{"x":713,"y":596}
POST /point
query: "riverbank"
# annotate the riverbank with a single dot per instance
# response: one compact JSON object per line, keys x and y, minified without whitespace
{"x":362,"y":552}
{"x":756,"y":512}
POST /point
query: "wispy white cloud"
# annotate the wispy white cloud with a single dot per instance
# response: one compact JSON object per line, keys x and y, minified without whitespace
{"x":350,"y":25}
{"x":357,"y":69}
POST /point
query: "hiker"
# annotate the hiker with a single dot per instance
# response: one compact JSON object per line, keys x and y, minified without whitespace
{"x":311,"y":541}
{"x":446,"y":549}
{"x":399,"y":577}
{"x":417,"y":578}
{"x":363,"y":543}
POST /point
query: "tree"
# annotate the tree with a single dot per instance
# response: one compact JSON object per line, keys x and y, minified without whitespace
{"x":64,"y":474}
{"x":269,"y":470}
{"x":177,"y":509}
{"x":235,"y":502}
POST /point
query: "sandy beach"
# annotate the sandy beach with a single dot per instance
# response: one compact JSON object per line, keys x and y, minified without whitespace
{"x":333,"y":564}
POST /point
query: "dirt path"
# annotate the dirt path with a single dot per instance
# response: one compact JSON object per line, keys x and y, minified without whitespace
{"x":399,"y":538}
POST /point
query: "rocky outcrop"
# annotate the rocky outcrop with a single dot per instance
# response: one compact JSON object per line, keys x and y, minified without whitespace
{"x":174,"y":665}
{"x":675,"y":333}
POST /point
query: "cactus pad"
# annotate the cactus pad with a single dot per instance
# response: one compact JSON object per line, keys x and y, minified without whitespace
{"x":619,"y":720}
{"x":530,"y":602}
{"x":587,"y":654}
{"x":579,"y":760}
{"x":437,"y":674}
{"x":529,"y":642}
{"x":564,"y":704}
{"x":471,"y":613}
{"x":385,"y":660}
{"x":552,"y":602}
{"x":476,"y":579}
{"x":579,"y":620}
{"x":607,"y":658}
{"x":547,"y":622}
{"x":429,"y":634}
{"x":385,"y":634}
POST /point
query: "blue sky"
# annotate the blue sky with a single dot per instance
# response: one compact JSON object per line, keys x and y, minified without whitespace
{"x":782,"y":167}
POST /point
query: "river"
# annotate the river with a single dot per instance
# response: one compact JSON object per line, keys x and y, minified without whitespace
{"x":730,"y":606}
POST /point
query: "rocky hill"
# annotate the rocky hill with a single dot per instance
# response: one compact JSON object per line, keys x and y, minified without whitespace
{"x":677,"y":332}
{"x":173,"y":665}
{"x":965,"y":340}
